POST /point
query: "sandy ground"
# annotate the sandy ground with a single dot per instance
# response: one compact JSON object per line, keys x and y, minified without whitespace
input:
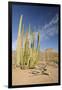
{"x":25,"y":77}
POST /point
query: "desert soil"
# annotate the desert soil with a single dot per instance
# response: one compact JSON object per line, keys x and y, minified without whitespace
{"x":25,"y":77}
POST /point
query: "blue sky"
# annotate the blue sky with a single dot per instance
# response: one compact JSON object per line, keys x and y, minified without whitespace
{"x":41,"y":18}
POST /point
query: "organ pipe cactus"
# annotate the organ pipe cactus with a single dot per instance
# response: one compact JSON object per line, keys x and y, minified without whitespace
{"x":27,"y":55}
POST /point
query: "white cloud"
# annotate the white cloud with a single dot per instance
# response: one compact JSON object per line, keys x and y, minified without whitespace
{"x":50,"y":28}
{"x":53,"y":21}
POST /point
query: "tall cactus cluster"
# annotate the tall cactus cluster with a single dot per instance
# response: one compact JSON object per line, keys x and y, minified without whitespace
{"x":27,"y":56}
